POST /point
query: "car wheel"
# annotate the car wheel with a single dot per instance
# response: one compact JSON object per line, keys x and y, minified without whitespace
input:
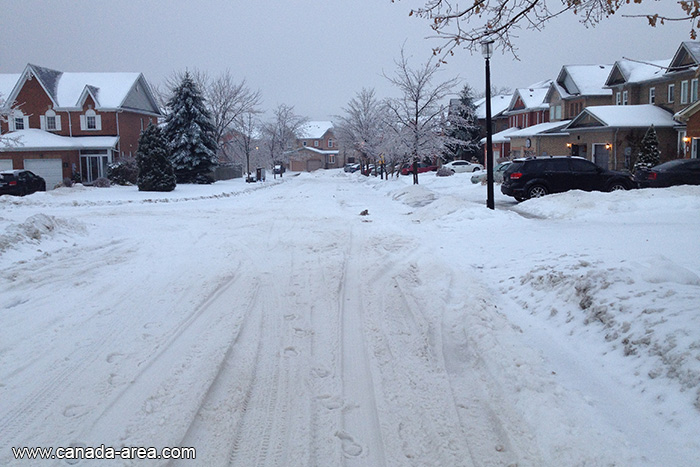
{"x":519,"y":199}
{"x":537,"y":191}
{"x":476,"y":169}
{"x":617,"y":186}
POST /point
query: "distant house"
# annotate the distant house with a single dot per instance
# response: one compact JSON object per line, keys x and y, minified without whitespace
{"x":499,"y":123}
{"x":316,"y":149}
{"x":72,"y":124}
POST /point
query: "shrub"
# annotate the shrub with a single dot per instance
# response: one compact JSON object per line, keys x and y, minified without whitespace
{"x":102,"y":182}
{"x":125,"y":171}
{"x":444,"y":172}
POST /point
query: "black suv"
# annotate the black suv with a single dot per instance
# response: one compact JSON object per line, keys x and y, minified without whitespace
{"x":20,"y":182}
{"x":533,"y":177}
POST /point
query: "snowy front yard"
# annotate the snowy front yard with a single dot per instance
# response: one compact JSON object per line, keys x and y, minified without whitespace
{"x":272,"y":324}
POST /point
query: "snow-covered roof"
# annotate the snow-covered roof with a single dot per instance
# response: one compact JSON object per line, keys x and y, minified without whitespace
{"x":318,"y":151}
{"x":34,"y":139}
{"x":587,"y":80}
{"x":636,"y":72}
{"x":623,"y":116}
{"x":499,"y":104}
{"x":315,"y":130}
{"x":540,"y":128}
{"x":110,"y":89}
{"x":502,"y":136}
{"x":68,"y":89}
{"x":533,"y":98}
{"x":687,"y":55}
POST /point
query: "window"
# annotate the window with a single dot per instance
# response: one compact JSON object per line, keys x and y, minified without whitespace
{"x":684,"y":92}
{"x":19,"y":121}
{"x":671,"y":92}
{"x":625,"y":97}
{"x":304,"y":143}
{"x":652,"y":95}
{"x":90,"y":121}
{"x":330,"y":143}
{"x":315,"y":143}
{"x":694,"y":90}
{"x":618,"y":98}
{"x":331,"y":158}
{"x":50,"y":121}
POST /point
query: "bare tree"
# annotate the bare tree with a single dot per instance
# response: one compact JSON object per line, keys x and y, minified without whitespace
{"x":363,"y":127}
{"x":241,"y":141}
{"x":7,"y":141}
{"x":418,"y":116}
{"x":468,"y":24}
{"x":281,"y":133}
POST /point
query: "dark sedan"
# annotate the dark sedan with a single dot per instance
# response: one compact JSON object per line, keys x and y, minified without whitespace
{"x":676,"y":172}
{"x":20,"y":183}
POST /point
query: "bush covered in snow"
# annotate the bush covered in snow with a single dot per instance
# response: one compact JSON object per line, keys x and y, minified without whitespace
{"x":444,"y":172}
{"x":125,"y":171}
{"x":102,"y":182}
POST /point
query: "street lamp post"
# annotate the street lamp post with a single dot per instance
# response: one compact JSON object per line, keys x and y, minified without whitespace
{"x":487,"y":51}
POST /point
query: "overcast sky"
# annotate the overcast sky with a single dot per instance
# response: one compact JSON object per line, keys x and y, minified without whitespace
{"x":312,"y":54}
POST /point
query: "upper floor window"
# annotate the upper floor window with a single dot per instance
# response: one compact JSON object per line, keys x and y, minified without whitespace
{"x":684,"y":92}
{"x":304,"y":143}
{"x":90,"y":121}
{"x":671,"y":92}
{"x":618,"y":98}
{"x":330,"y":143}
{"x":19,"y":121}
{"x":652,"y":95}
{"x":315,"y":143}
{"x":625,"y":97}
{"x":50,"y":121}
{"x":694,"y":90}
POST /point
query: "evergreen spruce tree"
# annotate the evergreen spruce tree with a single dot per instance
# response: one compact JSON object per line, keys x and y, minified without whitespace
{"x":190,"y":132}
{"x":464,"y":134}
{"x":155,"y":171}
{"x":649,"y":155}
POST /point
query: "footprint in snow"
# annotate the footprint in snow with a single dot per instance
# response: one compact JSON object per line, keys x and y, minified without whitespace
{"x":349,"y":446}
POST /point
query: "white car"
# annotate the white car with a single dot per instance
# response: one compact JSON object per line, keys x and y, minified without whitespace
{"x":463,"y":166}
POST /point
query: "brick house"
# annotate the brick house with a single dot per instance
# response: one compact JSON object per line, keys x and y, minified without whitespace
{"x":317,"y":148}
{"x":73,"y":124}
{"x":499,"y":124}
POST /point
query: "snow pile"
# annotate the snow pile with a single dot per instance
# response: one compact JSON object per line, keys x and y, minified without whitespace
{"x":37,"y":228}
{"x":644,"y":312}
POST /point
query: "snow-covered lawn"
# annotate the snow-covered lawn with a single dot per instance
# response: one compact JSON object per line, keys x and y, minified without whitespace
{"x":272,"y":324}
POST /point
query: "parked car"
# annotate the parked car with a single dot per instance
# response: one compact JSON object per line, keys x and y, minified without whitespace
{"x":480,"y":177}
{"x":20,"y":183}
{"x":463,"y":166}
{"x":352,"y":168}
{"x":369,"y":170}
{"x":279,"y":169}
{"x":407,"y":169}
{"x":533,"y":177}
{"x":676,"y":172}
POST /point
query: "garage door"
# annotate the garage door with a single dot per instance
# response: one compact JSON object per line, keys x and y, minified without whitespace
{"x":50,"y":170}
{"x":313,"y":164}
{"x":5,"y":164}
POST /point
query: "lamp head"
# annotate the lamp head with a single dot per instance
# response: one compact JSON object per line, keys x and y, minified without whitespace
{"x":487,"y":48}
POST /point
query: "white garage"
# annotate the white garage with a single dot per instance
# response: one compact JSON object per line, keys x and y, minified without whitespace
{"x":50,"y":170}
{"x":5,"y":164}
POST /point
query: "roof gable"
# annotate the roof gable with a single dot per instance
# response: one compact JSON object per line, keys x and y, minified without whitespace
{"x":687,"y":55}
{"x":632,"y":71}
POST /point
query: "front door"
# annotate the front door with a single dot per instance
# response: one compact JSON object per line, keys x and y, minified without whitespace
{"x":601,"y":156}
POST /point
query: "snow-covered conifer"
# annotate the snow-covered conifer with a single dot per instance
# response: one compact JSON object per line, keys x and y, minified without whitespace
{"x":649,"y":154}
{"x":464,"y":132}
{"x":155,"y":170}
{"x":189,"y":131}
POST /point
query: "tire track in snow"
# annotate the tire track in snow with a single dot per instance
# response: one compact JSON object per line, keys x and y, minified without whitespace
{"x":360,"y":435}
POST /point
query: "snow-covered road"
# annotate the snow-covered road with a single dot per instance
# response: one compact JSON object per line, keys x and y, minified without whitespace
{"x":273,"y":325}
